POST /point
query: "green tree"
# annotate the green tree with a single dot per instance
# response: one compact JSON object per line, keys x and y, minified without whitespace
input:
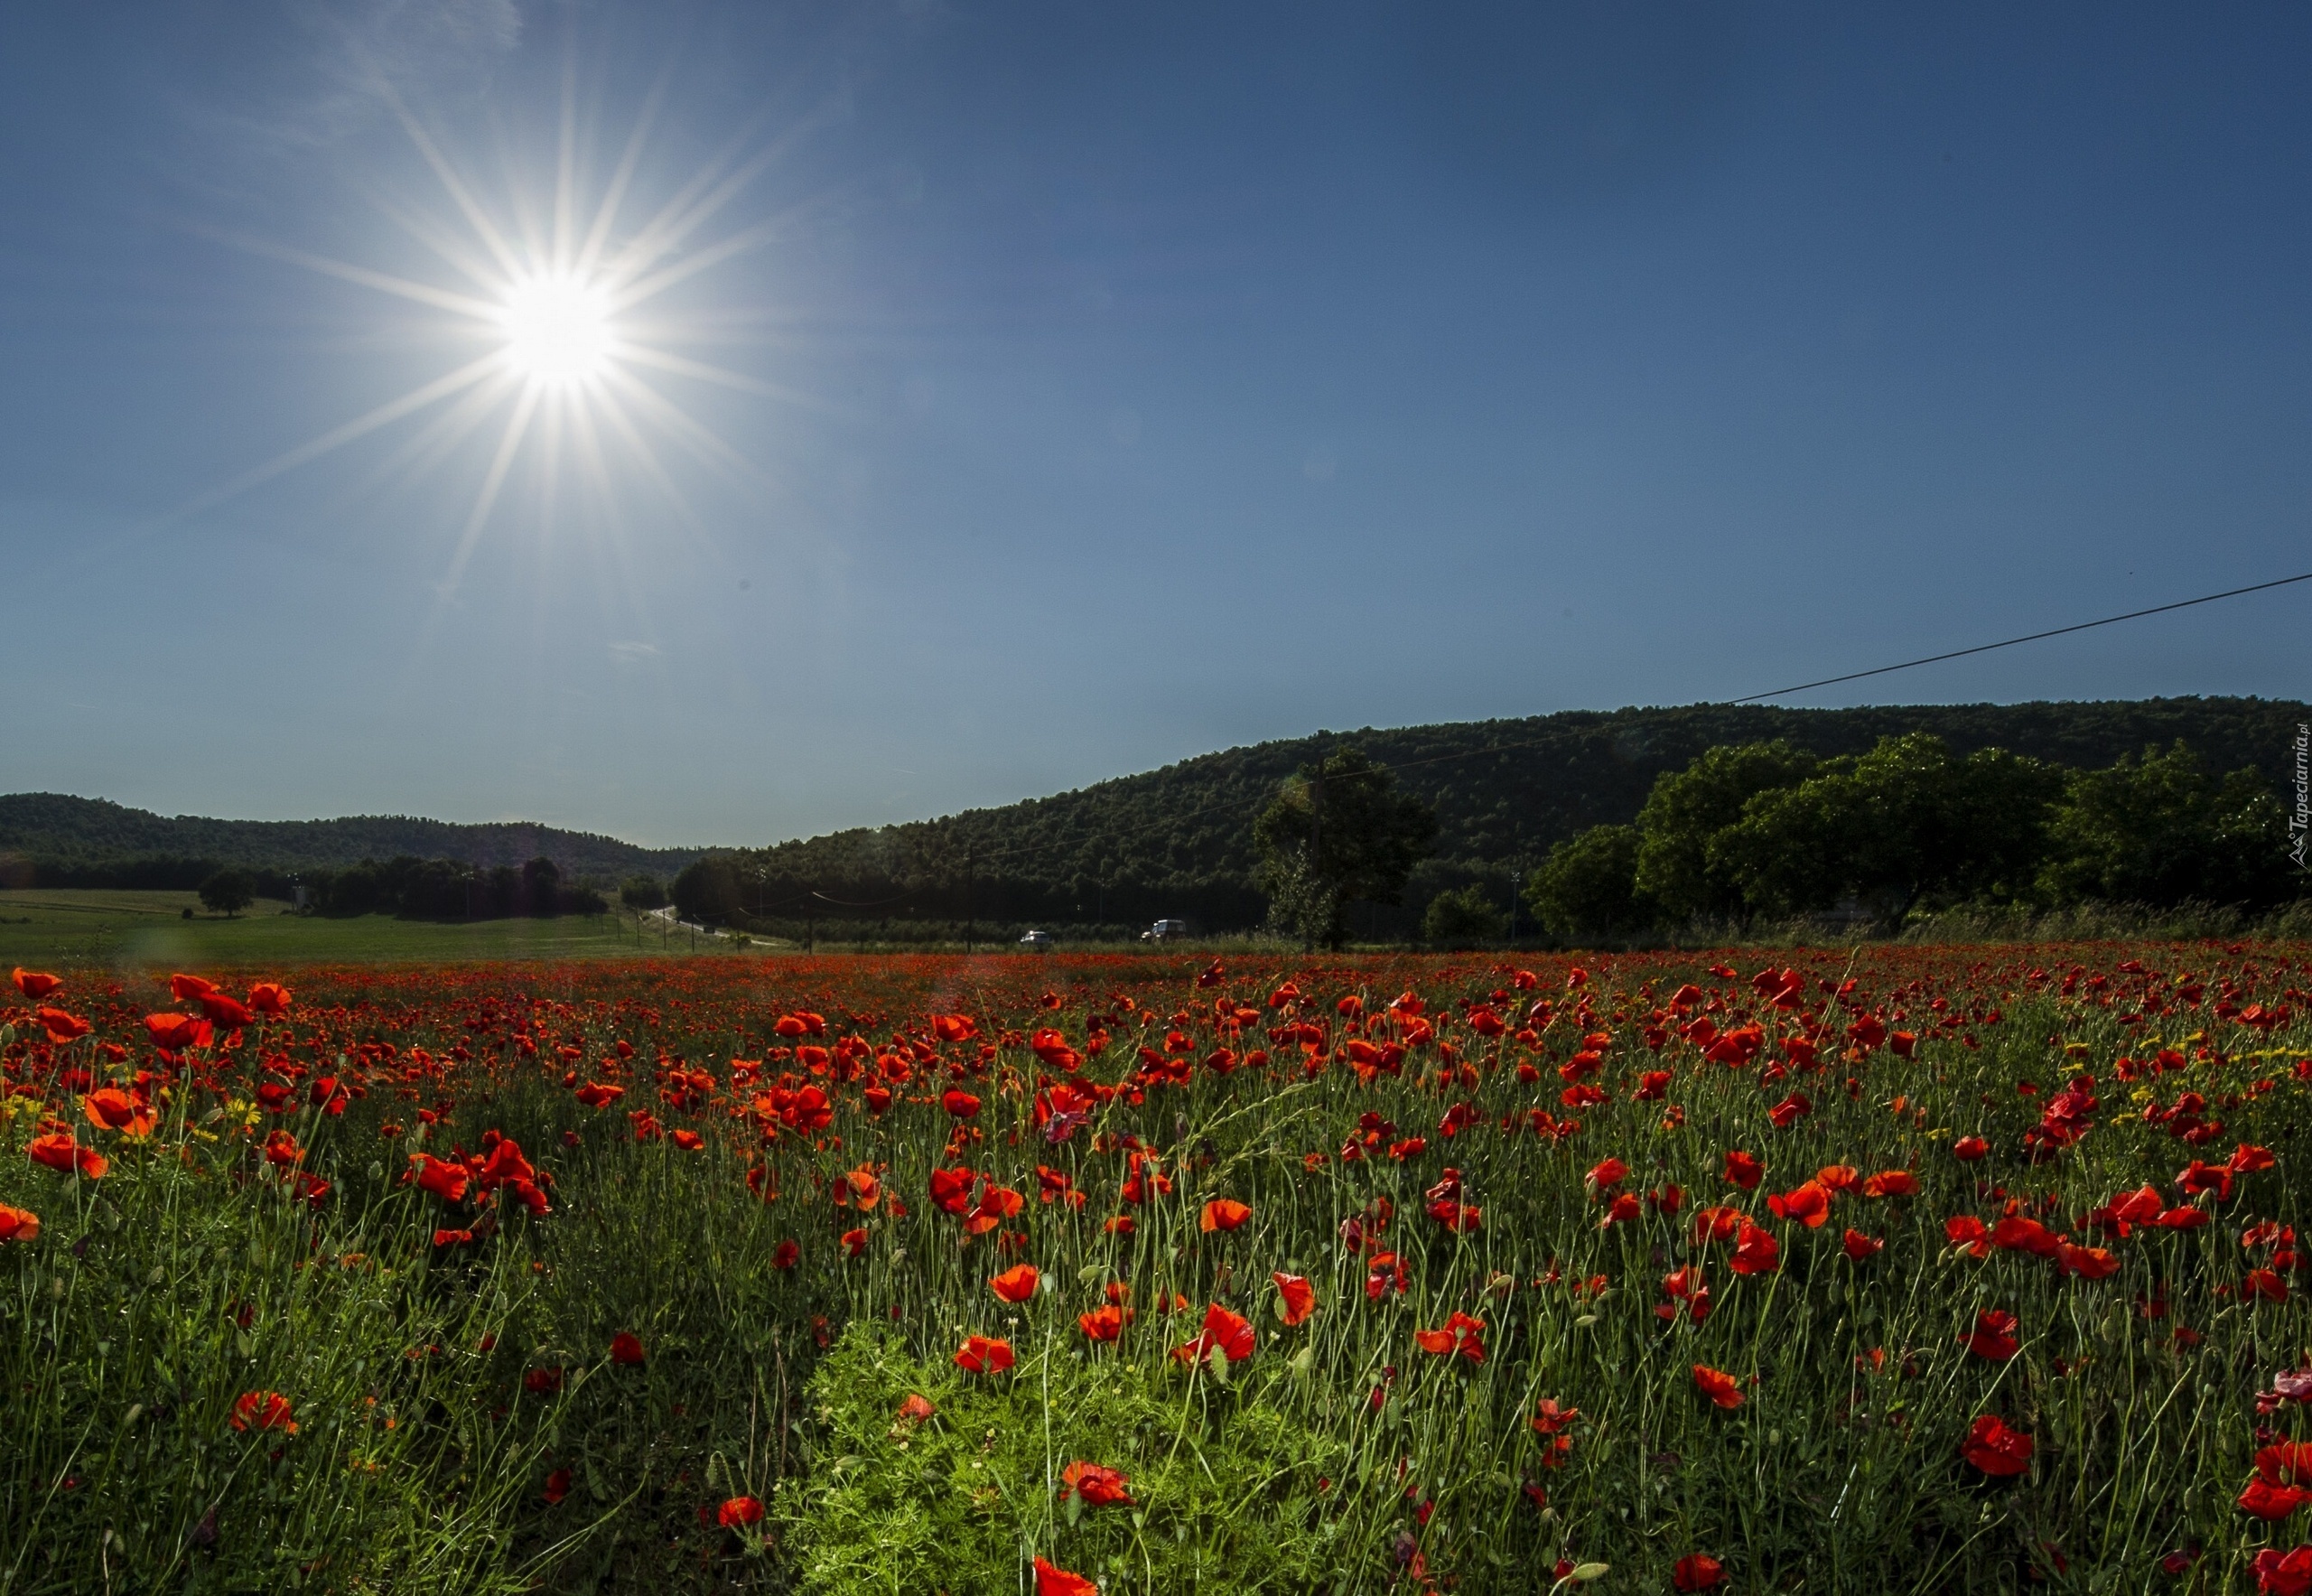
{"x":542,"y":885}
{"x":1905,"y":823}
{"x":1588,"y":886}
{"x":643,"y":892}
{"x":1338,"y":832}
{"x":228,"y":892}
{"x":708,"y":890}
{"x":1688,"y":808}
{"x":2162,"y":830}
{"x":1463,"y":917}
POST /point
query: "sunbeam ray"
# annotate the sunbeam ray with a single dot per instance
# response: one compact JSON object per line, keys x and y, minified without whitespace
{"x":393,"y":410}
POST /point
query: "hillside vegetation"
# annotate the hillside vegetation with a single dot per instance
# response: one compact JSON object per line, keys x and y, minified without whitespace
{"x":1179,"y":841}
{"x":61,"y":841}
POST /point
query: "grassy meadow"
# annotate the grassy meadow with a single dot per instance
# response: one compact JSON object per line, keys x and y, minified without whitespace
{"x":80,"y":927}
{"x":1897,"y":1269}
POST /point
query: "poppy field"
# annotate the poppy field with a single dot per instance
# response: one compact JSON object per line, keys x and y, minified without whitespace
{"x":1901,"y":1269}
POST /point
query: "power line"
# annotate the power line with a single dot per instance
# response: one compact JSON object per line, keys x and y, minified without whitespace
{"x":2033,"y":638}
{"x":1265,"y":794}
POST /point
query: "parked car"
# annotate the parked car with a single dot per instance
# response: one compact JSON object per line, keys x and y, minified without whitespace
{"x":1165,"y":930}
{"x":1039,"y":940}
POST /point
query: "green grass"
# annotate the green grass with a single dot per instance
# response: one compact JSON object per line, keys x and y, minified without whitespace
{"x":45,"y":927}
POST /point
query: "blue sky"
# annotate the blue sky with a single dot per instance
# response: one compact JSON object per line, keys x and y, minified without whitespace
{"x":1106,"y":384}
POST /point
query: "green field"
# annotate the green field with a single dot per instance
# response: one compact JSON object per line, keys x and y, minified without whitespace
{"x":67,"y":928}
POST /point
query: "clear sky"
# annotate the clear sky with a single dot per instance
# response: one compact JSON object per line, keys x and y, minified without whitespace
{"x":1031,"y":392}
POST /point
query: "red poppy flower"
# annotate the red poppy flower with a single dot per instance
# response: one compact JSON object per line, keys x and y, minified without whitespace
{"x":1993,"y":1338}
{"x":954,"y":1027}
{"x":1696,"y":1571}
{"x":961,"y":1103}
{"x":1967,"y":1231}
{"x":173,"y":1032}
{"x":62,"y":1027}
{"x":1859,"y":1246}
{"x":1607,"y":1173}
{"x":1720,"y":1386}
{"x":263,"y":1410}
{"x":1790,"y":1110}
{"x":281,"y":1150}
{"x":2247,"y":1159}
{"x":1460,"y":1333}
{"x":739,"y":1512}
{"x":854,"y":1242}
{"x":2015,"y":1234}
{"x":1890,"y":1183}
{"x":557,"y":1486}
{"x":1059,"y":1582}
{"x":1756,"y":1252}
{"x":269,"y":997}
{"x":1017,"y":1283}
{"x":2283,"y":1574}
{"x":1716,"y":1223}
{"x":1995,"y":1448}
{"x":2270,"y":1501}
{"x":35,"y":986}
{"x":541,"y":1381}
{"x":1810,"y":1205}
{"x":1968,"y":1149}
{"x":1099,"y":1487}
{"x":451,"y":1237}
{"x":1104,"y":1324}
{"x":1625,"y":1208}
{"x":188,"y":989}
{"x":443,"y":1179}
{"x":1230,"y":1333}
{"x":596,"y":1094}
{"x":227,"y":1011}
{"x":626,"y":1348}
{"x":786,"y":1254}
{"x":2181,"y":1218}
{"x":2287,"y":1463}
{"x":2090,"y":1263}
{"x":1744,"y":1169}
{"x":1298,"y":1297}
{"x":917,"y":1409}
{"x":112,"y":1109}
{"x":18,"y":1224}
{"x":1222,"y":1214}
{"x":984,"y":1355}
{"x":61,"y":1154}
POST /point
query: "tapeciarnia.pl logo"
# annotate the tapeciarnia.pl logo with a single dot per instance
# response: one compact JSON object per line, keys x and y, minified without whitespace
{"x":2299,"y":824}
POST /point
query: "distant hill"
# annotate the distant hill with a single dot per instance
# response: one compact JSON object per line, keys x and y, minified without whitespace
{"x":1178,"y":841}
{"x":51,"y":828}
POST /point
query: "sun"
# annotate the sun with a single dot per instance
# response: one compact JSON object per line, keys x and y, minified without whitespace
{"x":556,"y":301}
{"x":557,"y":329}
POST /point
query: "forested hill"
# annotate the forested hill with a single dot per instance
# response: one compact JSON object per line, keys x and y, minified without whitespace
{"x":52,"y":829}
{"x":1178,"y":841}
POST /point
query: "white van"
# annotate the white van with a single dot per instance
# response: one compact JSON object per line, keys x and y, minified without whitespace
{"x":1165,"y":930}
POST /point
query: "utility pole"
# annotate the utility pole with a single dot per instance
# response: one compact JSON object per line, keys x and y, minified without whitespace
{"x":970,"y":926}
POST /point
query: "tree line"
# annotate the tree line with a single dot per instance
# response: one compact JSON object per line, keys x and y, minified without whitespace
{"x":447,"y":888}
{"x":1770,"y":830}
